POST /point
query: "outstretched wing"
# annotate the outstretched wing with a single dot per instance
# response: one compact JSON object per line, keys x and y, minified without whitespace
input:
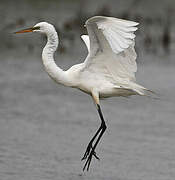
{"x":112,"y":46}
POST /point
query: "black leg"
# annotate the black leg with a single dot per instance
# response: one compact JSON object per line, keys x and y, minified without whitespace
{"x":89,"y":147}
{"x":90,"y":151}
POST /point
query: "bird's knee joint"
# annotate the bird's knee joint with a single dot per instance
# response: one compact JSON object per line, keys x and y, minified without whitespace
{"x":103,"y":125}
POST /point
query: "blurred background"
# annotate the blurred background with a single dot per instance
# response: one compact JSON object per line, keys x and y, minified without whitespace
{"x":45,"y":127}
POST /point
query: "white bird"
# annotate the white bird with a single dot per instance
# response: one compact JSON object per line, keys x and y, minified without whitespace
{"x":108,"y":70}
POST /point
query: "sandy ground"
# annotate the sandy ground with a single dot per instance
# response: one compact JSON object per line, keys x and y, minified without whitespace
{"x":45,"y":127}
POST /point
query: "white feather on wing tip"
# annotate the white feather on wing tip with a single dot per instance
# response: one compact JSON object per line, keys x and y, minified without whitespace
{"x":125,"y":34}
{"x":118,"y":33}
{"x":117,"y":42}
{"x":103,"y":25}
{"x":123,"y":22}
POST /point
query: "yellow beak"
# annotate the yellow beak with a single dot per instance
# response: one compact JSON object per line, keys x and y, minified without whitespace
{"x":24,"y":30}
{"x":27,"y":30}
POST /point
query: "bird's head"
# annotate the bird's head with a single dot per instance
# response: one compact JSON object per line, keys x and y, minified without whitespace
{"x":42,"y":27}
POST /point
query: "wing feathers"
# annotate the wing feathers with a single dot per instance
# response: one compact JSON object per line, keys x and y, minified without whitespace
{"x":119,"y":33}
{"x":85,"y":38}
{"x":112,"y":43}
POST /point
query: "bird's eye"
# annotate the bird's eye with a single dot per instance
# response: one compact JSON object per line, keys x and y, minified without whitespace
{"x":36,"y":28}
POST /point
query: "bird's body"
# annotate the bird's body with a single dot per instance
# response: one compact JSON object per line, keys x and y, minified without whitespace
{"x":104,"y":84}
{"x":108,"y":70}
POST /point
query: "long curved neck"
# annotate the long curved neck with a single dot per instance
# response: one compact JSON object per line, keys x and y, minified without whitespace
{"x":55,"y":72}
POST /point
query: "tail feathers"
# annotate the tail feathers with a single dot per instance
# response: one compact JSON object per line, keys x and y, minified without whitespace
{"x":151,"y":94}
{"x":144,"y":91}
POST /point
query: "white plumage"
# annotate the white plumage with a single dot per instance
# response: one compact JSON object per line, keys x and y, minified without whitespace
{"x":108,"y":70}
{"x":112,"y":55}
{"x":85,"y":38}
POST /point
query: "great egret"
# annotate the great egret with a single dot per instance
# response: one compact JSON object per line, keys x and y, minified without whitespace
{"x":108,"y":70}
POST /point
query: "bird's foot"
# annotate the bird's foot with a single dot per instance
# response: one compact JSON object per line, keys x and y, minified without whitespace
{"x":88,"y":150}
{"x":89,"y":156}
